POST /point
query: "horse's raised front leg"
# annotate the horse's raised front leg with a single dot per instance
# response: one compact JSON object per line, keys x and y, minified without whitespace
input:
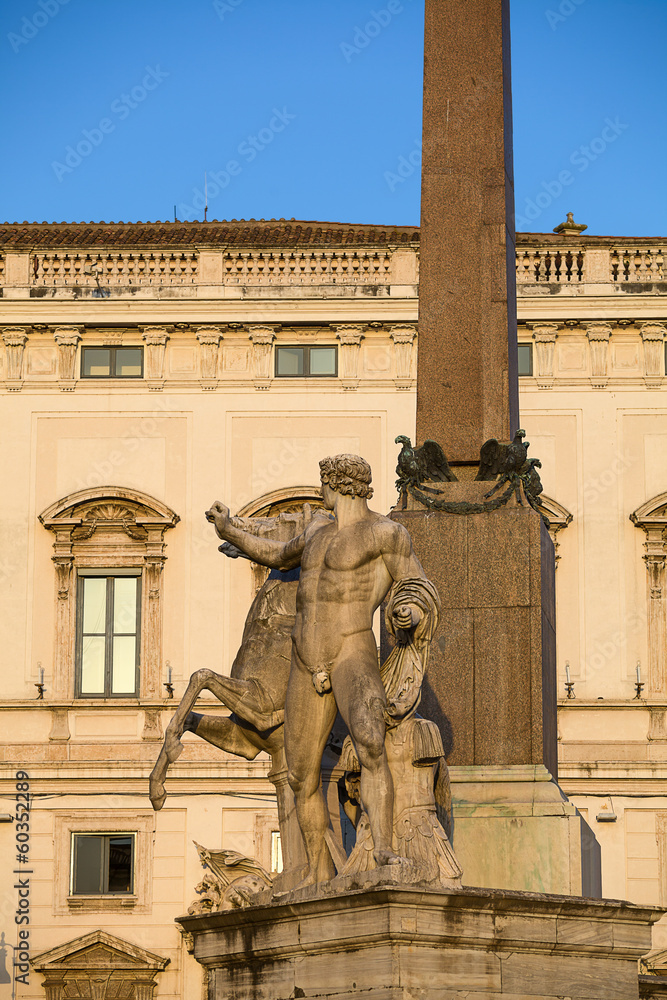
{"x":172,"y":748}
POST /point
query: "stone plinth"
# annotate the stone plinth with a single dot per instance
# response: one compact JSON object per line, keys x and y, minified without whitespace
{"x":491,"y":681}
{"x":403,"y":943}
{"x":515,"y":829}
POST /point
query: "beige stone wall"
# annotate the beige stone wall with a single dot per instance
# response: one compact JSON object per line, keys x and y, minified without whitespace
{"x":209,"y":421}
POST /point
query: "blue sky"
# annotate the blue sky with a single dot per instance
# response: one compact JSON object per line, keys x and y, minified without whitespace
{"x":306,"y":108}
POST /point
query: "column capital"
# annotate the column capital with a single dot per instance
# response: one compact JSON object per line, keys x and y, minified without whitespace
{"x":14,"y":336}
{"x":598,"y":331}
{"x":156,"y":336}
{"x":67,"y":336}
{"x":263,"y":333}
{"x":349,"y":334}
{"x":653,"y":331}
{"x":403,"y":333}
{"x":544,"y":332}
{"x":209,"y":335}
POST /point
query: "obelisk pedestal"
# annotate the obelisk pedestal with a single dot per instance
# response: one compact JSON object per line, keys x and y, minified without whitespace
{"x":399,"y":943}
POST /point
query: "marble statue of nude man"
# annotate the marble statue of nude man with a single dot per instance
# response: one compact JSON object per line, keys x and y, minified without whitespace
{"x":348,"y":566}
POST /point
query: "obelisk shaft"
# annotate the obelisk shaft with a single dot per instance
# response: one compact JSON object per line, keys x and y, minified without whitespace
{"x":467,"y":386}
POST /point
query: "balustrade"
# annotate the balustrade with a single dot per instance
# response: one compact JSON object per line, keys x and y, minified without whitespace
{"x":307,"y":268}
{"x":62,"y":268}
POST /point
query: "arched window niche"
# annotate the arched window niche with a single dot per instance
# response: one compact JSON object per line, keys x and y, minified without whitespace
{"x":114,"y":532}
{"x":652,"y":518}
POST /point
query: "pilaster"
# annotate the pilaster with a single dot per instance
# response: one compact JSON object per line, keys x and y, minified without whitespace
{"x":67,"y":338}
{"x":403,"y":336}
{"x":156,"y":338}
{"x":14,"y":338}
{"x":349,"y":336}
{"x":653,"y":338}
{"x":598,"y":337}
{"x":262,"y":338}
{"x":209,"y":338}
{"x":544,"y":335}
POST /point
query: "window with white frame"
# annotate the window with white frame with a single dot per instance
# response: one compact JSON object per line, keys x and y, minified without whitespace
{"x":108,"y":634}
{"x":102,"y":864}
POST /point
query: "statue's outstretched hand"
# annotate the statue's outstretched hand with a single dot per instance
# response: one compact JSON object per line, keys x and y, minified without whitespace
{"x":218,"y":514}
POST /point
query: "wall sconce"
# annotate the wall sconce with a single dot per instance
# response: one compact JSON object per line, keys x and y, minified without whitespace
{"x":40,"y":685}
{"x":607,"y":814}
{"x":169,"y":686}
{"x":569,"y":685}
{"x":638,"y":683}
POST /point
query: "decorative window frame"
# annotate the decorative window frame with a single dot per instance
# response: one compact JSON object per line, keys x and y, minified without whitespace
{"x":652,"y":518}
{"x":558,"y":517}
{"x":108,"y":528}
{"x":99,"y":965}
{"x":65,"y":823}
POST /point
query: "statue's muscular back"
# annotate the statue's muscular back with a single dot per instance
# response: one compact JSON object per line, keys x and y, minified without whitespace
{"x":343,"y":580}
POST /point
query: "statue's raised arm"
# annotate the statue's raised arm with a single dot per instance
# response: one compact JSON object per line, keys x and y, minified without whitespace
{"x":266,"y":551}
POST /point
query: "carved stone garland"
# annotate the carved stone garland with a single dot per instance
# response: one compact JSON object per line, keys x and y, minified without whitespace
{"x":108,"y":528}
{"x":652,"y":518}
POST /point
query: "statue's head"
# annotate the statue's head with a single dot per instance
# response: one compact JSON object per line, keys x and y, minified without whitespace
{"x":349,"y":475}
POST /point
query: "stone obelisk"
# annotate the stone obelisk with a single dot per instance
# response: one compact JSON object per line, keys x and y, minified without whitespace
{"x":467,"y":385}
{"x":491,"y":684}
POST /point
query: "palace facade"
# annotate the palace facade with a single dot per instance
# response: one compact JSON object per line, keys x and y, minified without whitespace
{"x":147,"y":370}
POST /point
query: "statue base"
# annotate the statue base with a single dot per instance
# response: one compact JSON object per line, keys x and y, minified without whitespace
{"x":399,"y":942}
{"x":515,"y":828}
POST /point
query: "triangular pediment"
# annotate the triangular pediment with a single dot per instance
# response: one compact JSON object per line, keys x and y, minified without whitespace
{"x":98,"y":950}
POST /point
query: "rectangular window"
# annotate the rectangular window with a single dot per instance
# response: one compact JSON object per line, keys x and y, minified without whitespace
{"x":525,"y":359}
{"x":102,"y":864}
{"x":276,"y":852}
{"x":112,"y":362}
{"x":307,"y":362}
{"x":108,"y":636}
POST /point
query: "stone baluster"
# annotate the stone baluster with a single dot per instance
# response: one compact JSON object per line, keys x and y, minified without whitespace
{"x":653,"y":337}
{"x":350,"y":336}
{"x":156,"y":338}
{"x":209,"y":338}
{"x":14,"y":338}
{"x":67,"y":338}
{"x":262,"y":338}
{"x":403,"y":336}
{"x":598,"y":337}
{"x":544,"y":335}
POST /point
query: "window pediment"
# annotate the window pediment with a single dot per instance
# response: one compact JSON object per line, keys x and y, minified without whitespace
{"x":89,"y":965}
